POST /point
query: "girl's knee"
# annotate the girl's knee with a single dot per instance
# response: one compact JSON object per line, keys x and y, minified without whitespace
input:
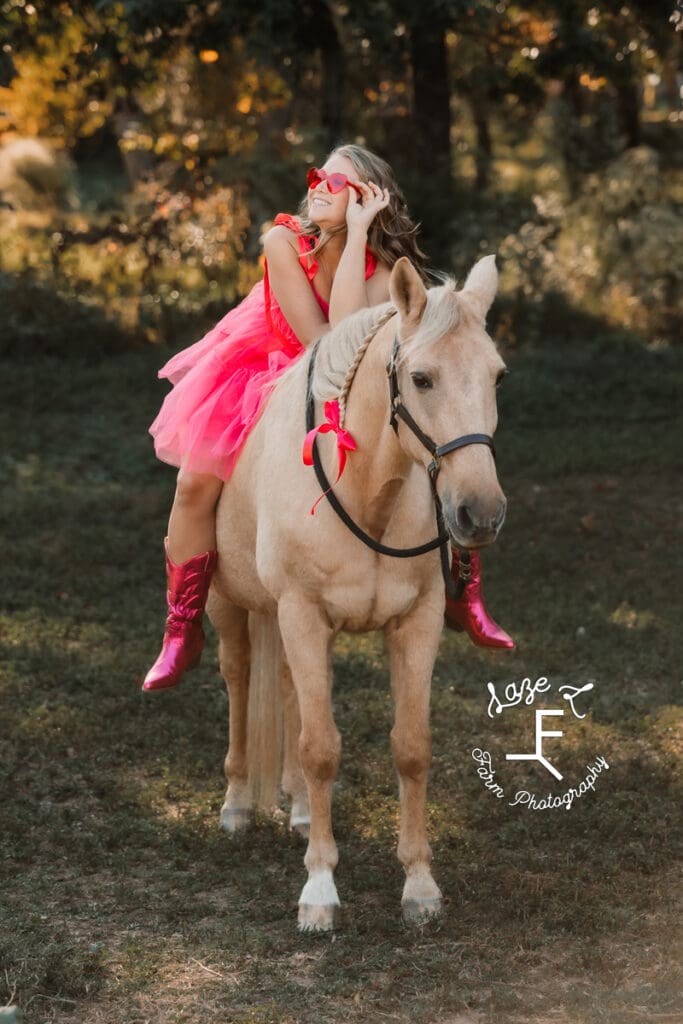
{"x":197,"y":488}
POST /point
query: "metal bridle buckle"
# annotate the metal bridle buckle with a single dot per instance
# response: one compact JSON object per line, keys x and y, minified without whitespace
{"x":434,"y":467}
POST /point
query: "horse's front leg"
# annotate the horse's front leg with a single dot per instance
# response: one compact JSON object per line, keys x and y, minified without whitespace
{"x":413,"y":643}
{"x":307,"y":639}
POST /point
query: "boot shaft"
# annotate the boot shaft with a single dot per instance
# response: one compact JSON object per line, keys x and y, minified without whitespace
{"x":188,"y":584}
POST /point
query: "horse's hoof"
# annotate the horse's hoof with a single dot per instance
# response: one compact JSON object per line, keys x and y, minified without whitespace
{"x":319,"y":902}
{"x":235,"y":819}
{"x":318,"y":919}
{"x":421,"y":911}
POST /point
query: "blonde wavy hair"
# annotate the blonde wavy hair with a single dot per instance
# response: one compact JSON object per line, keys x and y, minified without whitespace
{"x":392,"y":233}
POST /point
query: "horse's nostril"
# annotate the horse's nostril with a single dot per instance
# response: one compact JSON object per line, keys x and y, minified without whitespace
{"x":464,"y":519}
{"x":498,"y":522}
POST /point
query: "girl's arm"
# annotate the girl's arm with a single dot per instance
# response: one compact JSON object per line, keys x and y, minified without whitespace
{"x":290,"y":286}
{"x":350,"y":291}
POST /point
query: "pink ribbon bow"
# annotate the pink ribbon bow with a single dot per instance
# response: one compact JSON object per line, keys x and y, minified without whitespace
{"x":345,"y":442}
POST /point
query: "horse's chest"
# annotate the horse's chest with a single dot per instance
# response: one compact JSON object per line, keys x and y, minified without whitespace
{"x":367,"y":595}
{"x":330,"y":568}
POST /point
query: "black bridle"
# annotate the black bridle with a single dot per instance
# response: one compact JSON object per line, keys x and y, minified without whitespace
{"x":399,"y":411}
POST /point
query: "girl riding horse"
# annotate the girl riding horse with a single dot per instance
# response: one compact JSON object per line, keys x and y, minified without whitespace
{"x":331,"y":261}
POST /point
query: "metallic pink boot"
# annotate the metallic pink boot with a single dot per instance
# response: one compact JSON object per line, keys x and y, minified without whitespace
{"x":468,"y":612}
{"x":188,"y":587}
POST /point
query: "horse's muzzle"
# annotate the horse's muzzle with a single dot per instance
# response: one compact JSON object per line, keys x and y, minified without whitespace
{"x":474,"y":523}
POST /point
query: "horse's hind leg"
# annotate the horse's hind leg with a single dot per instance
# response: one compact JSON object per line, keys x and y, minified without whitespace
{"x":232,"y":624}
{"x":412,"y":647}
{"x":293,"y":781}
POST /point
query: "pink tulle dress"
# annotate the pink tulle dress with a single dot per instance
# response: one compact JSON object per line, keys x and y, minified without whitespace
{"x":222,"y":382}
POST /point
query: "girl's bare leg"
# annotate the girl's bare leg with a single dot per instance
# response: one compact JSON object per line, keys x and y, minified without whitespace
{"x":192,"y":523}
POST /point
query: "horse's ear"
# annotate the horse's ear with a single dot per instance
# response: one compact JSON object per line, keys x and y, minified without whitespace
{"x":407,"y":291}
{"x":482,"y":283}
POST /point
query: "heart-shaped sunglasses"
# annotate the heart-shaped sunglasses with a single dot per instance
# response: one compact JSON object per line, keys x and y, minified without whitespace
{"x":335,"y":182}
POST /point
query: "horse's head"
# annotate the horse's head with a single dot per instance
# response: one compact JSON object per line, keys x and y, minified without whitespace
{"x":447,"y":371}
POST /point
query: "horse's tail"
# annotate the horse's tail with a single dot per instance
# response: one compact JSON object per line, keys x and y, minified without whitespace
{"x":265,"y":714}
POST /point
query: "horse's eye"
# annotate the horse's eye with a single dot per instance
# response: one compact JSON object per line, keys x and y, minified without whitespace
{"x":422,"y":381}
{"x":501,"y":377}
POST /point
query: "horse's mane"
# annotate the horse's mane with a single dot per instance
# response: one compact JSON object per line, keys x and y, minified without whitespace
{"x":339,"y":349}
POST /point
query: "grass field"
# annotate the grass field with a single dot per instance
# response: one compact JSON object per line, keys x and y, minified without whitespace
{"x":123,"y":903}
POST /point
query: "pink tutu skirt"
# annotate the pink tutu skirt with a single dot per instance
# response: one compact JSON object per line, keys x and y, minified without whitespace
{"x":221,"y":385}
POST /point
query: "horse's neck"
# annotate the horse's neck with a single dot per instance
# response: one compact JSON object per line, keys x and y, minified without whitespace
{"x":379,"y":468}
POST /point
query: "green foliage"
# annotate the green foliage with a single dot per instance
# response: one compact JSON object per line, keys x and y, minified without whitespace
{"x":605,"y":38}
{"x":601,"y":52}
{"x":585,"y":141}
{"x":614,"y":253}
{"x":91,"y":284}
{"x":205,"y":115}
{"x":51,"y":94}
{"x":34,"y":177}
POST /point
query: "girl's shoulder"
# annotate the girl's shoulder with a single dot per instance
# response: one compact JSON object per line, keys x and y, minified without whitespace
{"x":286,"y":234}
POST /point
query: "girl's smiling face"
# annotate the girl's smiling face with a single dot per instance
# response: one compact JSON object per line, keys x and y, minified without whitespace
{"x":324,"y":208}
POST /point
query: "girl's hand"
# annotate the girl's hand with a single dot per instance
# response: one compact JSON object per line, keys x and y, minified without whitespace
{"x":362,"y":210}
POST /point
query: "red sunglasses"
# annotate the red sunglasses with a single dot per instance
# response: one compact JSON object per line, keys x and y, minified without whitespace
{"x":335,"y":182}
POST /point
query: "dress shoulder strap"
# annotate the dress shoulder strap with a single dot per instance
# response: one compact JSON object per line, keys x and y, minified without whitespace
{"x":288,"y":221}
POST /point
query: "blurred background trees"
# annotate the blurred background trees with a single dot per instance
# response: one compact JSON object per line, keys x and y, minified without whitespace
{"x":146,"y":146}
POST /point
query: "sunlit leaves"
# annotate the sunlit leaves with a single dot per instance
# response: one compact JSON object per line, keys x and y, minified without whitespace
{"x":45,"y":99}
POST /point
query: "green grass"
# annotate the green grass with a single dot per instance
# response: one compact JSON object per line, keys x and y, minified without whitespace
{"x":121,"y":899}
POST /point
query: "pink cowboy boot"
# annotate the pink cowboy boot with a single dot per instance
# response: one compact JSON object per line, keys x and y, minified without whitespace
{"x":188,"y":587}
{"x":468,"y":612}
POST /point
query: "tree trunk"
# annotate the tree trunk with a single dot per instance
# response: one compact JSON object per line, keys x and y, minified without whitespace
{"x":432,"y":95}
{"x":628,"y":109}
{"x":574,"y":92}
{"x":332,"y":85}
{"x":484,"y":150}
{"x":7,"y":70}
{"x":670,"y":81}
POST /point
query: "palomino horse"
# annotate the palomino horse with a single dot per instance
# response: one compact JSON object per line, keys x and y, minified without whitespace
{"x":312,"y":577}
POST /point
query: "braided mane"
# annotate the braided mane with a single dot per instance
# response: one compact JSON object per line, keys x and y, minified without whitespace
{"x":342,"y":349}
